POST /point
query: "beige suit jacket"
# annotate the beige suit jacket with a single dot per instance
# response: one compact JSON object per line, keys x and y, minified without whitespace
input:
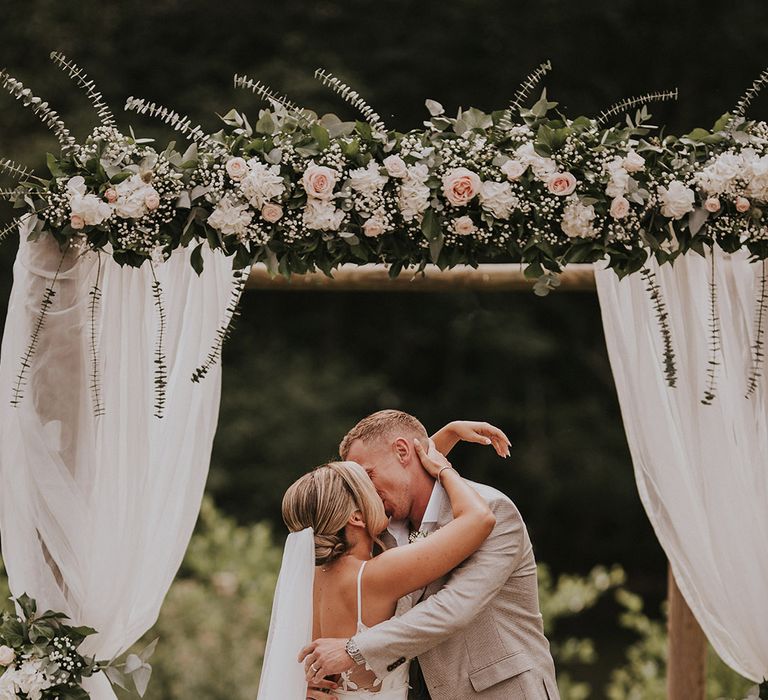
{"x":477,"y":632}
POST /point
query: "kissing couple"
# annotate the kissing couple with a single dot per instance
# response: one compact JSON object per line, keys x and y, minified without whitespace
{"x":402,"y":580}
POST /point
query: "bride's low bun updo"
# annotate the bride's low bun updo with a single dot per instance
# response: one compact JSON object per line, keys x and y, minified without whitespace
{"x":325,"y":499}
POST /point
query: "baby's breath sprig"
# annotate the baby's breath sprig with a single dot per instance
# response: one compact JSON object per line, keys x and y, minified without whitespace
{"x":47,"y":116}
{"x":352,"y":97}
{"x":758,"y":353}
{"x":81,"y":78}
{"x":619,"y":108}
{"x":660,"y":307}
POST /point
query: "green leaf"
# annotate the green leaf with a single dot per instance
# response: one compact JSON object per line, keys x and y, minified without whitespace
{"x":266,"y":124}
{"x":321,"y":136}
{"x":196,"y":260}
{"x":53,"y":165}
{"x":431,"y":225}
{"x":436,"y":248}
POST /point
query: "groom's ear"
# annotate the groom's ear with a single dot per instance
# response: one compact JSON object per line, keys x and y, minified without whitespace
{"x":403,"y":450}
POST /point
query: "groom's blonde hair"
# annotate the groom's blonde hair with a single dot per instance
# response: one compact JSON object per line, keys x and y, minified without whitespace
{"x":383,"y":424}
{"x":325,"y":499}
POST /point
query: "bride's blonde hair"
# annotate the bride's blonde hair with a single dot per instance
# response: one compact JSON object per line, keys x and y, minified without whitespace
{"x":325,"y":499}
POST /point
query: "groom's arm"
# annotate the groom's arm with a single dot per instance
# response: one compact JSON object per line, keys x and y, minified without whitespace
{"x":467,"y":592}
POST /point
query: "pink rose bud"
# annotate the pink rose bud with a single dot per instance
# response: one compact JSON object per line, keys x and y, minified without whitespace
{"x":561,"y":184}
{"x":152,"y":201}
{"x":111,"y":195}
{"x":271,"y":212}
{"x":7,"y":655}
{"x":76,"y":222}
{"x":712,"y":205}
{"x":742,"y":204}
{"x":463,"y":226}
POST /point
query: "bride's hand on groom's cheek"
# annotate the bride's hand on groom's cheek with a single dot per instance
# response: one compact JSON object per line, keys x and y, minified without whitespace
{"x":432,"y":460}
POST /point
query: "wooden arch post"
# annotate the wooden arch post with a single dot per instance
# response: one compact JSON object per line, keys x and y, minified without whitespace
{"x":687,"y":644}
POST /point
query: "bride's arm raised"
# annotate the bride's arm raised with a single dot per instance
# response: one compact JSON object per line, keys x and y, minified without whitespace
{"x":399,"y":571}
{"x":480,"y":432}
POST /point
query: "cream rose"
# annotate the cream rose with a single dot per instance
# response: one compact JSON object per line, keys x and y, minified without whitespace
{"x":271,"y":212}
{"x":395,"y":166}
{"x":619,"y":207}
{"x":373,"y":227}
{"x":562,"y":184}
{"x":513,"y":169}
{"x":742,"y":204}
{"x":237,"y":168}
{"x":7,"y":656}
{"x":712,"y":205}
{"x":633,"y":162}
{"x":463,"y":226}
{"x":460,"y":185}
{"x":319,"y":181}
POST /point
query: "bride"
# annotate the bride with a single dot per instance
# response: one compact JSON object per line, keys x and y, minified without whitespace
{"x":330,"y":583}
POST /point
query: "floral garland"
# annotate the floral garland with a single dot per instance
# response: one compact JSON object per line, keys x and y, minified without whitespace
{"x":301,"y":192}
{"x":39,"y":658}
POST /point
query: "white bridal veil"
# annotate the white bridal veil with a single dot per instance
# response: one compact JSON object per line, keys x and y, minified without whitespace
{"x":290,"y":627}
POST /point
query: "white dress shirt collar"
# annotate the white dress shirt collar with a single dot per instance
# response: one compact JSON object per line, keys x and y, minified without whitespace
{"x":399,"y":529}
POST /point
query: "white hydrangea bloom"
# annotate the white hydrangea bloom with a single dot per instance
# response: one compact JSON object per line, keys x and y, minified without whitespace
{"x":322,"y":215}
{"x":577,"y":220}
{"x":414,"y":194}
{"x":676,"y":200}
{"x":230,"y":217}
{"x":498,"y":198}
{"x":132,"y":196}
{"x":262,"y":183}
{"x":369,"y":181}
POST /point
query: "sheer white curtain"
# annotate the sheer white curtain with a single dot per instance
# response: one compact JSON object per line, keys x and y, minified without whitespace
{"x":702,"y":471}
{"x":96,"y":512}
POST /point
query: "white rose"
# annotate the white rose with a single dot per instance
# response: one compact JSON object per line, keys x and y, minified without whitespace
{"x":367,"y":180}
{"x":619,"y":181}
{"x":319,"y":182}
{"x":91,"y":209}
{"x":322,"y":215}
{"x":262,"y":183}
{"x":460,"y":185}
{"x":633,"y":162}
{"x":236,"y":168}
{"x":7,"y":656}
{"x":498,"y":198}
{"x":413,"y":198}
{"x":577,"y":220}
{"x":76,"y":185}
{"x":676,"y":200}
{"x":463,"y":226}
{"x":543,"y":168}
{"x":231,"y":218}
{"x":513,"y":169}
{"x":619,"y":207}
{"x":373,"y":227}
{"x":395,"y":166}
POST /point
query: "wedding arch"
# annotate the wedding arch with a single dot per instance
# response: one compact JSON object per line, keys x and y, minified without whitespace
{"x":132,"y":262}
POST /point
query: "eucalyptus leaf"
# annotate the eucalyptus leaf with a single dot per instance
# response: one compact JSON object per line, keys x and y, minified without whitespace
{"x":434,"y":107}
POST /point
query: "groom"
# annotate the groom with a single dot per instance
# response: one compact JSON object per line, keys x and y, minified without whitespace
{"x":476,"y":633}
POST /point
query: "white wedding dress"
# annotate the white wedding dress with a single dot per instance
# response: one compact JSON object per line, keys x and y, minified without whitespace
{"x":290,"y":629}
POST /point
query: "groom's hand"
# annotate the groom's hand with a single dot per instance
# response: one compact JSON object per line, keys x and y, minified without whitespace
{"x":325,"y":657}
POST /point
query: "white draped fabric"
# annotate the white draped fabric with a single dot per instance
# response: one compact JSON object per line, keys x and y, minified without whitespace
{"x":702,"y":471}
{"x":96,"y":512}
{"x":290,"y":627}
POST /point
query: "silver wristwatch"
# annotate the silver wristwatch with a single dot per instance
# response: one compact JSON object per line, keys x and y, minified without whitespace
{"x":354,"y":653}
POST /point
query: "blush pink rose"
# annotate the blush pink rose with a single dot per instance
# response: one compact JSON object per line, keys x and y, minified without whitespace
{"x":460,"y":185}
{"x":111,"y":195}
{"x":712,"y":205}
{"x":152,"y":201}
{"x":619,"y":207}
{"x":373,"y":227}
{"x":319,"y":181}
{"x":742,"y":204}
{"x":561,"y":184}
{"x":7,"y":655}
{"x":76,"y":222}
{"x":463,"y":226}
{"x":271,"y":212}
{"x":237,"y":168}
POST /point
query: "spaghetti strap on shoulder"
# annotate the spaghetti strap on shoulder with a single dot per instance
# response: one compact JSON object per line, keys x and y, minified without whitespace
{"x":360,"y":625}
